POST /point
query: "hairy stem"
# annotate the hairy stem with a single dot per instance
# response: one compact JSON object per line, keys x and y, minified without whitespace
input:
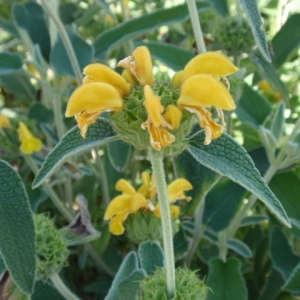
{"x":166,"y":221}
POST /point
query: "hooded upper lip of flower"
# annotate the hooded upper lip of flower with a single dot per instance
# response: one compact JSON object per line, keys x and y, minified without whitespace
{"x":131,"y":200}
{"x":201,"y":88}
{"x":29,"y":143}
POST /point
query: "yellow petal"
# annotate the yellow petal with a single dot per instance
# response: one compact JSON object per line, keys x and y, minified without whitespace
{"x":29,"y":143}
{"x":177,"y":79}
{"x":204,"y":90}
{"x":175,"y":211}
{"x":156,"y":211}
{"x":124,"y":186}
{"x":212,"y":129}
{"x":138,"y":201}
{"x":159,"y":136}
{"x":177,"y":188}
{"x":129,"y":77}
{"x":173,"y":116}
{"x":140,"y":65}
{"x":84,"y":120}
{"x":119,"y":205}
{"x":95,"y":97}
{"x":4,"y":122}
{"x":264,"y":86}
{"x":153,"y":106}
{"x":144,"y":188}
{"x":210,"y":63}
{"x":102,"y":73}
{"x":116,"y":224}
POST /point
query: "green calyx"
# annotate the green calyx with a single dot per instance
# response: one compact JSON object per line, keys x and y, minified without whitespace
{"x":128,"y":122}
{"x":188,"y":286}
{"x":52,"y":251}
{"x":145,"y":226}
{"x":234,"y":36}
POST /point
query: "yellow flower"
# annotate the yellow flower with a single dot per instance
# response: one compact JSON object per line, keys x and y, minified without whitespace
{"x":140,"y":65}
{"x":29,"y":143}
{"x":156,"y":124}
{"x":4,"y":122}
{"x":176,"y":191}
{"x":144,"y":198}
{"x":201,"y":88}
{"x":121,"y":206}
{"x":102,"y":90}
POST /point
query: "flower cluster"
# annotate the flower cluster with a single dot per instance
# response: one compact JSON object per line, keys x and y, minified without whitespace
{"x":199,"y":87}
{"x":131,"y":200}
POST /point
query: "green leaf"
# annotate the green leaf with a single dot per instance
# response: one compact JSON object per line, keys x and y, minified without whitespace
{"x":283,"y":258}
{"x":45,"y":291}
{"x":221,"y":204}
{"x":202,"y":179}
{"x":252,"y":108}
{"x":17,"y":243}
{"x":129,"y":265}
{"x":277,"y":126}
{"x":10,"y":62}
{"x":255,"y":21}
{"x":119,"y":154}
{"x":286,"y":40}
{"x":18,"y":83}
{"x":226,"y":280}
{"x":221,"y":7}
{"x":129,"y":288}
{"x":239,"y":247}
{"x":30,"y":17}
{"x":2,"y":265}
{"x":293,"y":283}
{"x":253,"y":220}
{"x":151,"y":256}
{"x":268,"y":72}
{"x":228,"y":158}
{"x":273,"y":286}
{"x":286,"y":187}
{"x":71,"y":144}
{"x":172,"y":56}
{"x":40,"y":113}
{"x":73,"y":239}
{"x":60,"y":60}
{"x":130,"y":29}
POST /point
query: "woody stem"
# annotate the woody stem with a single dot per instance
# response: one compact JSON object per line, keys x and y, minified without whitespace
{"x":166,"y":221}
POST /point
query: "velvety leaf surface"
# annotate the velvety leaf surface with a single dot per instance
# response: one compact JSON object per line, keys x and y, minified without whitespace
{"x":228,"y":158}
{"x":17,"y":231}
{"x":129,"y":265}
{"x":129,"y":287}
{"x":252,"y":108}
{"x":284,"y":260}
{"x":151,"y":256}
{"x":253,"y":15}
{"x":45,"y":291}
{"x":119,"y":154}
{"x":221,"y":204}
{"x":293,"y":283}
{"x":239,"y":247}
{"x":201,"y":178}
{"x":286,"y":187}
{"x":283,"y":44}
{"x":138,"y":26}
{"x":71,"y":144}
{"x":226,"y":280}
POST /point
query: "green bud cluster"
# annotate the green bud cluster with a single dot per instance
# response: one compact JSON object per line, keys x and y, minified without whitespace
{"x":51,"y":249}
{"x":234,"y":37}
{"x":145,"y":226}
{"x":188,"y":286}
{"x":127,"y":123}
